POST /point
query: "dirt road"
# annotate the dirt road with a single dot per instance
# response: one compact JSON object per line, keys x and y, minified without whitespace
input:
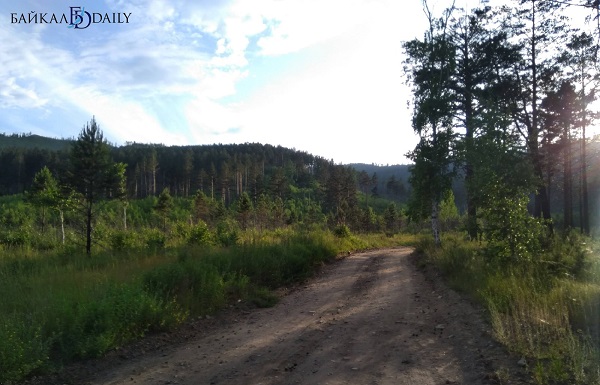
{"x":371,"y":318}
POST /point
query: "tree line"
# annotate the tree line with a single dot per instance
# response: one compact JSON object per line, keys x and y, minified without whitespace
{"x":503,"y":98}
{"x":256,"y":185}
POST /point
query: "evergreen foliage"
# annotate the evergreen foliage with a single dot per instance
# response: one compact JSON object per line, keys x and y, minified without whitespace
{"x":44,"y":193}
{"x":92,"y":175}
{"x":164,"y":206}
{"x":504,"y":84}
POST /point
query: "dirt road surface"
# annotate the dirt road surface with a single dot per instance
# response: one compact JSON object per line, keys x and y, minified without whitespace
{"x":372,"y":318}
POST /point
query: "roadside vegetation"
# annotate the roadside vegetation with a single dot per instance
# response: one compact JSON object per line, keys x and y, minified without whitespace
{"x":61,"y":305}
{"x":544,"y":309}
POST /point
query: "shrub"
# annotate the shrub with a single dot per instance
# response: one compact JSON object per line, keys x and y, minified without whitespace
{"x":227,"y":233}
{"x":60,"y":308}
{"x":511,"y":232}
{"x":183,"y":230}
{"x":16,"y":238}
{"x":544,"y":307}
{"x":122,"y":240}
{"x":165,"y":281}
{"x":341,"y":231}
{"x":200,"y":235}
{"x":237,"y":286}
{"x":567,"y":255}
{"x":155,"y":239}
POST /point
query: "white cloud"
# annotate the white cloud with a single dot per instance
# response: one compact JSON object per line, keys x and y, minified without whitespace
{"x":188,"y":57}
{"x":296,"y":25}
{"x":211,"y":122}
{"x":123,"y":120}
{"x":348,"y":100}
{"x":13,"y":94}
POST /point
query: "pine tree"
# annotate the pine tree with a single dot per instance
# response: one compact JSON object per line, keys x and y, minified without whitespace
{"x":390,"y":216}
{"x":539,"y":30}
{"x":164,"y":206}
{"x":44,"y":193}
{"x":244,"y":209}
{"x":92,"y":175}
{"x":581,"y":65}
{"x":429,"y":68}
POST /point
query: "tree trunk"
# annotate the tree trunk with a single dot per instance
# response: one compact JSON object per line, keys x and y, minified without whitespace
{"x":435,"y":222}
{"x":88,"y":230}
{"x":62,"y":225}
{"x":585,"y":220}
{"x":469,"y":134}
{"x":43,"y":219}
{"x":568,"y":181}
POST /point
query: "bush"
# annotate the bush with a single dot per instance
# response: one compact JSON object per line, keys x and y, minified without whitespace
{"x":122,"y":240}
{"x":342,"y":231}
{"x":45,"y":242}
{"x":567,"y":255}
{"x":511,"y":232}
{"x":16,"y":238}
{"x":155,"y":239}
{"x":60,"y":308}
{"x":227,"y":233}
{"x":165,"y":281}
{"x":200,"y":235}
{"x":183,"y":230}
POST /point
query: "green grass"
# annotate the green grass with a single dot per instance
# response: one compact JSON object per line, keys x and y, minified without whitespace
{"x":61,"y":305}
{"x":546,"y":309}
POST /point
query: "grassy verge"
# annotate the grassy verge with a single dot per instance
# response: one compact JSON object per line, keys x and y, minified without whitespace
{"x":64,"y":306}
{"x":546,"y":310}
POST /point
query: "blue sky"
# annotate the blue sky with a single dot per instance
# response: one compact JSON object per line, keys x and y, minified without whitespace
{"x":322,"y":76}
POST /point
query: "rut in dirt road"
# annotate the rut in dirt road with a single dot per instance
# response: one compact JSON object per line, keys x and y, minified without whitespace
{"x":371,"y":318}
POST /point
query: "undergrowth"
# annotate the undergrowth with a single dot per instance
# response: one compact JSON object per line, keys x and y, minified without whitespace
{"x":545,"y":309}
{"x":64,"y":306}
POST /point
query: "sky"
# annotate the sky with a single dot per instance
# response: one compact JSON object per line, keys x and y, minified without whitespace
{"x":321,"y":76}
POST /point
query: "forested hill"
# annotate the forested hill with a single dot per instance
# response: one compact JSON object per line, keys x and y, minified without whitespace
{"x":223,"y":171}
{"x":386,"y":181}
{"x":30,"y":141}
{"x":216,"y":169}
{"x":398,"y":171}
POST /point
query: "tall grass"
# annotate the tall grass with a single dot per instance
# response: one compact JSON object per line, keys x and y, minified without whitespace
{"x":60,"y":308}
{"x":546,"y":309}
{"x":63,"y":306}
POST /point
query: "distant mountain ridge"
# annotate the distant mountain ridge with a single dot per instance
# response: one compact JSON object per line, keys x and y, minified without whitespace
{"x":32,"y":141}
{"x":399,"y":171}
